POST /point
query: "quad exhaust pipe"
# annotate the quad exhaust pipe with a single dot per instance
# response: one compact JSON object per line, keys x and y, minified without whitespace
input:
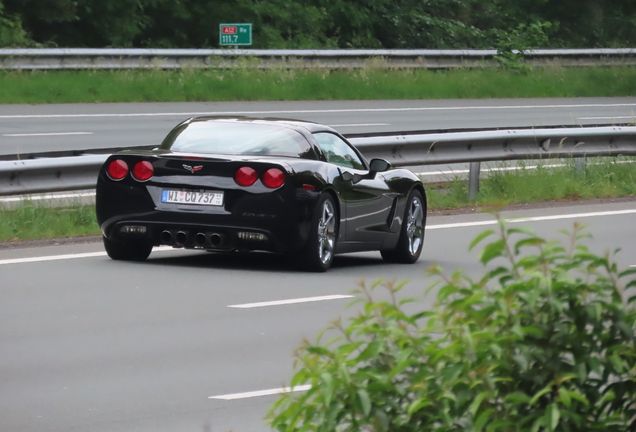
{"x":165,"y":237}
{"x":200,"y":239}
{"x":216,"y":239}
{"x":181,"y":238}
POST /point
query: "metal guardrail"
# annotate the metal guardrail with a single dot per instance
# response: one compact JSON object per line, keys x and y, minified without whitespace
{"x":499,"y":145}
{"x":80,"y":172}
{"x":49,"y":174}
{"x":81,"y":58}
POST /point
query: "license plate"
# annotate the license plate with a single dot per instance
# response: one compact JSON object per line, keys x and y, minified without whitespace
{"x":192,"y":197}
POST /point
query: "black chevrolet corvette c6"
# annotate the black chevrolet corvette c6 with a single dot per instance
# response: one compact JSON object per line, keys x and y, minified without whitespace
{"x":241,"y":184}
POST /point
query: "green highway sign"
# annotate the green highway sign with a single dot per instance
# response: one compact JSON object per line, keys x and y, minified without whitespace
{"x":235,"y":34}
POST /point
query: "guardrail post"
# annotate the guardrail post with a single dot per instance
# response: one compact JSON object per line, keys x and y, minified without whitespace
{"x":581,"y":165}
{"x":473,"y":180}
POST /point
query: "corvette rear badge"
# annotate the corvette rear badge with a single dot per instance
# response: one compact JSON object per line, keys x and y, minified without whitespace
{"x":193,"y":169}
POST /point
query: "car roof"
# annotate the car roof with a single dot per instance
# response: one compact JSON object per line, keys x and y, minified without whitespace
{"x":298,"y":125}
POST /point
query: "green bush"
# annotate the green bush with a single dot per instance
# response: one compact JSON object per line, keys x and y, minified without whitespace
{"x":544,"y":341}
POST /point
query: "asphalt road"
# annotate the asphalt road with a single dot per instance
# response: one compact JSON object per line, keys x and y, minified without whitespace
{"x":90,"y":344}
{"x":38,"y":128}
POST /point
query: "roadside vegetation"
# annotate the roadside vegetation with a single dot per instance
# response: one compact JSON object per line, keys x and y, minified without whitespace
{"x":604,"y":177}
{"x":31,"y":221}
{"x":320,"y":23}
{"x":543,"y":340}
{"x":374,"y":81}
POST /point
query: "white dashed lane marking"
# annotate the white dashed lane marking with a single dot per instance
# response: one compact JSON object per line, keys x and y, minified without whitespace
{"x":290,"y":301}
{"x":317,"y":111}
{"x":257,"y":393}
{"x":47,"y":134}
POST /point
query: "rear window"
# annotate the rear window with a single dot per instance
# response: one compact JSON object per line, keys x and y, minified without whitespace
{"x":238,"y":138}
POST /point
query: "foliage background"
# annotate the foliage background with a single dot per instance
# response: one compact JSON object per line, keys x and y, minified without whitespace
{"x":320,"y":23}
{"x":544,"y":341}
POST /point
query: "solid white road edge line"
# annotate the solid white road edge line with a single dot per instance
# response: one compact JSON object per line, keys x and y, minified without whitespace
{"x":47,"y":134}
{"x":429,"y":227}
{"x":290,"y":301}
{"x":457,"y":108}
{"x":607,"y":118}
{"x":47,"y":197}
{"x":533,"y":219}
{"x":465,"y":171}
{"x":494,"y":169}
{"x":261,"y":393}
{"x":66,"y":257}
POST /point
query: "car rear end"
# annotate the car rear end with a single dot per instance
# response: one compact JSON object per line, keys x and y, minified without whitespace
{"x":214,"y":202}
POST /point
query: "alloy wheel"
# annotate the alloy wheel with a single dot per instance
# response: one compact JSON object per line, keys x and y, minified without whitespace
{"x":326,"y":232}
{"x":415,"y":225}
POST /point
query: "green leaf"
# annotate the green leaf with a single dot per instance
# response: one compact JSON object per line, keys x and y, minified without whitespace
{"x":535,"y":241}
{"x":517,"y":398}
{"x":579,"y":397}
{"x":540,"y":393}
{"x":617,"y":363}
{"x":477,"y":402}
{"x":365,"y":402}
{"x":552,"y":416}
{"x":626,"y":330}
{"x":522,"y":361}
{"x":564,"y":397}
{"x":418,"y":404}
{"x":534,"y":331}
{"x":371,"y":351}
{"x":328,"y":389}
{"x":483,"y":419}
{"x":496,"y":350}
{"x":538,"y":423}
{"x":452,"y":373}
{"x":627,"y":272}
{"x":520,"y":230}
{"x":479,"y":238}
{"x":382,"y":421}
{"x":581,"y":372}
{"x":492,"y":251}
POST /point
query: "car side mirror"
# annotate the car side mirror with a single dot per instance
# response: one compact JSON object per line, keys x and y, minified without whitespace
{"x":379,"y":165}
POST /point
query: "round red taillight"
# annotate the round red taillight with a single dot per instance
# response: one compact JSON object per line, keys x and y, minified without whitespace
{"x":142,"y":171}
{"x":273,"y":178}
{"x":245,"y":176}
{"x":117,"y":169}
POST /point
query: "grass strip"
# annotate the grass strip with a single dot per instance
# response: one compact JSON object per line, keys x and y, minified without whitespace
{"x":374,"y":81}
{"x":31,"y":221}
{"x":605,"y":177}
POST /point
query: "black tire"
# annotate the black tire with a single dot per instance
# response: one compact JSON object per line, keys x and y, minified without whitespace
{"x":127,"y":251}
{"x":409,"y":245}
{"x":317,"y":254}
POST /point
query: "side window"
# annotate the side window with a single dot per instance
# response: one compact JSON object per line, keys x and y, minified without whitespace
{"x":337,"y":151}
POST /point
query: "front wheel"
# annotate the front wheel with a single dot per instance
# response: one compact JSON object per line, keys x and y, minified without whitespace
{"x":409,"y":245}
{"x":317,"y":254}
{"x":127,"y":251}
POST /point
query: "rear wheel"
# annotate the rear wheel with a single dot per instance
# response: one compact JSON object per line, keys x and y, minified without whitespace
{"x":317,"y":255}
{"x":127,"y":251}
{"x":409,"y":246}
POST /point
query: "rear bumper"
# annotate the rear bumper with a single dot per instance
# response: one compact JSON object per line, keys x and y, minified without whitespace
{"x":278,"y":222}
{"x":204,"y":236}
